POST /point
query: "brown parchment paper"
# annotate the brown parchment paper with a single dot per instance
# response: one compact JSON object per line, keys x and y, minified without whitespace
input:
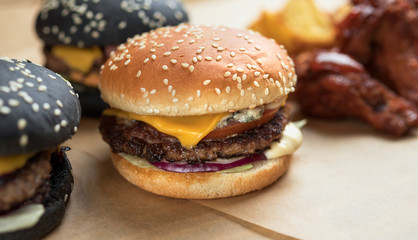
{"x":345,"y":182}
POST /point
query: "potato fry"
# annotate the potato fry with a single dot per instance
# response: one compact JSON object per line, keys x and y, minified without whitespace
{"x":299,"y":26}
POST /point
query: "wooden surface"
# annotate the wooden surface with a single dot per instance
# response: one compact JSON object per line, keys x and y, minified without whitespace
{"x":345,"y":182}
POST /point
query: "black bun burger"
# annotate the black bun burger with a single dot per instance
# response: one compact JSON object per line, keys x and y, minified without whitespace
{"x":38,"y":111}
{"x":199,"y":111}
{"x":79,"y":36}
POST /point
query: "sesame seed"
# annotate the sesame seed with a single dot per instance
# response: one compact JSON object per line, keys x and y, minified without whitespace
{"x":59,"y":103}
{"x":160,"y":45}
{"x":191,"y":68}
{"x":228,"y":89}
{"x":198,"y":94}
{"x":64,"y":123}
{"x":278,"y":56}
{"x":191,"y":41}
{"x":216,"y":39}
{"x":113,"y":67}
{"x":152,"y":50}
{"x":175,"y":100}
{"x":220,"y":49}
{"x":153,"y":57}
{"x":232,"y":54}
{"x":244,"y":77}
{"x":173,"y":61}
{"x":206,"y":82}
{"x":57,"y":111}
{"x":167,"y":53}
{"x":240,"y":70}
{"x":242,"y":49}
{"x":214,"y":45}
{"x":242,"y":93}
{"x":23,"y":141}
{"x":227,"y":74}
{"x":256,"y":84}
{"x":146,"y":60}
{"x":42,"y":88}
{"x":175,"y":48}
{"x":208,"y":58}
{"x":170,"y":88}
{"x":153,"y":91}
{"x":138,"y":73}
{"x":239,"y":86}
{"x":257,"y":47}
{"x":13,"y":102}
{"x":143,"y":90}
{"x":21,"y":124}
{"x":259,"y":61}
{"x":190,"y":99}
{"x":200,"y":58}
{"x":218,"y":91}
{"x":257,"y":73}
{"x":180,"y":41}
{"x":127,"y":62}
{"x":165,"y":81}
{"x":265,"y":76}
{"x":173,"y":93}
{"x":198,"y":51}
{"x":185,"y":65}
{"x":280,"y":75}
{"x":57,"y":128}
{"x":229,"y":65}
{"x":266,"y":91}
{"x":218,"y":58}
{"x":165,"y":68}
{"x":253,"y":96}
{"x":51,"y":76}
{"x":46,"y":106}
{"x":278,"y":83}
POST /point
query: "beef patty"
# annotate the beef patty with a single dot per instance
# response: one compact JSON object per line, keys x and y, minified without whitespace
{"x":141,"y":139}
{"x":29,"y":182}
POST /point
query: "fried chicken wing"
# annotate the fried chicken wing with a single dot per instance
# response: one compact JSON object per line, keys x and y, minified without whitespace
{"x":383,"y":36}
{"x":333,"y":85}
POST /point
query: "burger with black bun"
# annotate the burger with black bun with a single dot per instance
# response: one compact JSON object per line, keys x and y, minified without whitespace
{"x":39,"y":110}
{"x":79,"y":36}
{"x":199,"y":112}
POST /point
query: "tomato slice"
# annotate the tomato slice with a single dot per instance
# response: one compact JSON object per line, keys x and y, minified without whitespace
{"x":236,"y":128}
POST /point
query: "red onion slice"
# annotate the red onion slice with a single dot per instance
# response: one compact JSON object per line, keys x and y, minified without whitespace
{"x":207,"y":167}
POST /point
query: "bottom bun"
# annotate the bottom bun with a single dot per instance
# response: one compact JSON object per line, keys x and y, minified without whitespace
{"x":202,"y":185}
{"x":61,"y":182}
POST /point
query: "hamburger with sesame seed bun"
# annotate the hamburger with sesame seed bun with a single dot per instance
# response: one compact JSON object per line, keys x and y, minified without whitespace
{"x":39,"y":110}
{"x":79,"y":36}
{"x":199,"y":112}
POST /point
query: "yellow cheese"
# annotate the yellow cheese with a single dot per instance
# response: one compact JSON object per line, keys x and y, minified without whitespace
{"x":77,"y":58}
{"x":189,"y":130}
{"x":10,"y":163}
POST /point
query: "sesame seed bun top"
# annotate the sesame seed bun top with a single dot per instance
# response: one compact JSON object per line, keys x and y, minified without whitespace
{"x":38,"y":108}
{"x":195,"y":70}
{"x":104,"y":22}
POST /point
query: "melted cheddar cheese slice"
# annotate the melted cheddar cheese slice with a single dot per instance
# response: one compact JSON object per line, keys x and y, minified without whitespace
{"x":189,"y":130}
{"x":81,"y":59}
{"x":10,"y":163}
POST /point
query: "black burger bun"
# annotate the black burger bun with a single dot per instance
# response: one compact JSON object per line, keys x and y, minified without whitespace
{"x":39,"y":110}
{"x":105,"y":22}
{"x":91,"y":30}
{"x":61,"y":182}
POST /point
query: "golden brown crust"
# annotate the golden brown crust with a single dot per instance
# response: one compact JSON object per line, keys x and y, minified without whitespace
{"x":194,"y":70}
{"x":208,"y":185}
